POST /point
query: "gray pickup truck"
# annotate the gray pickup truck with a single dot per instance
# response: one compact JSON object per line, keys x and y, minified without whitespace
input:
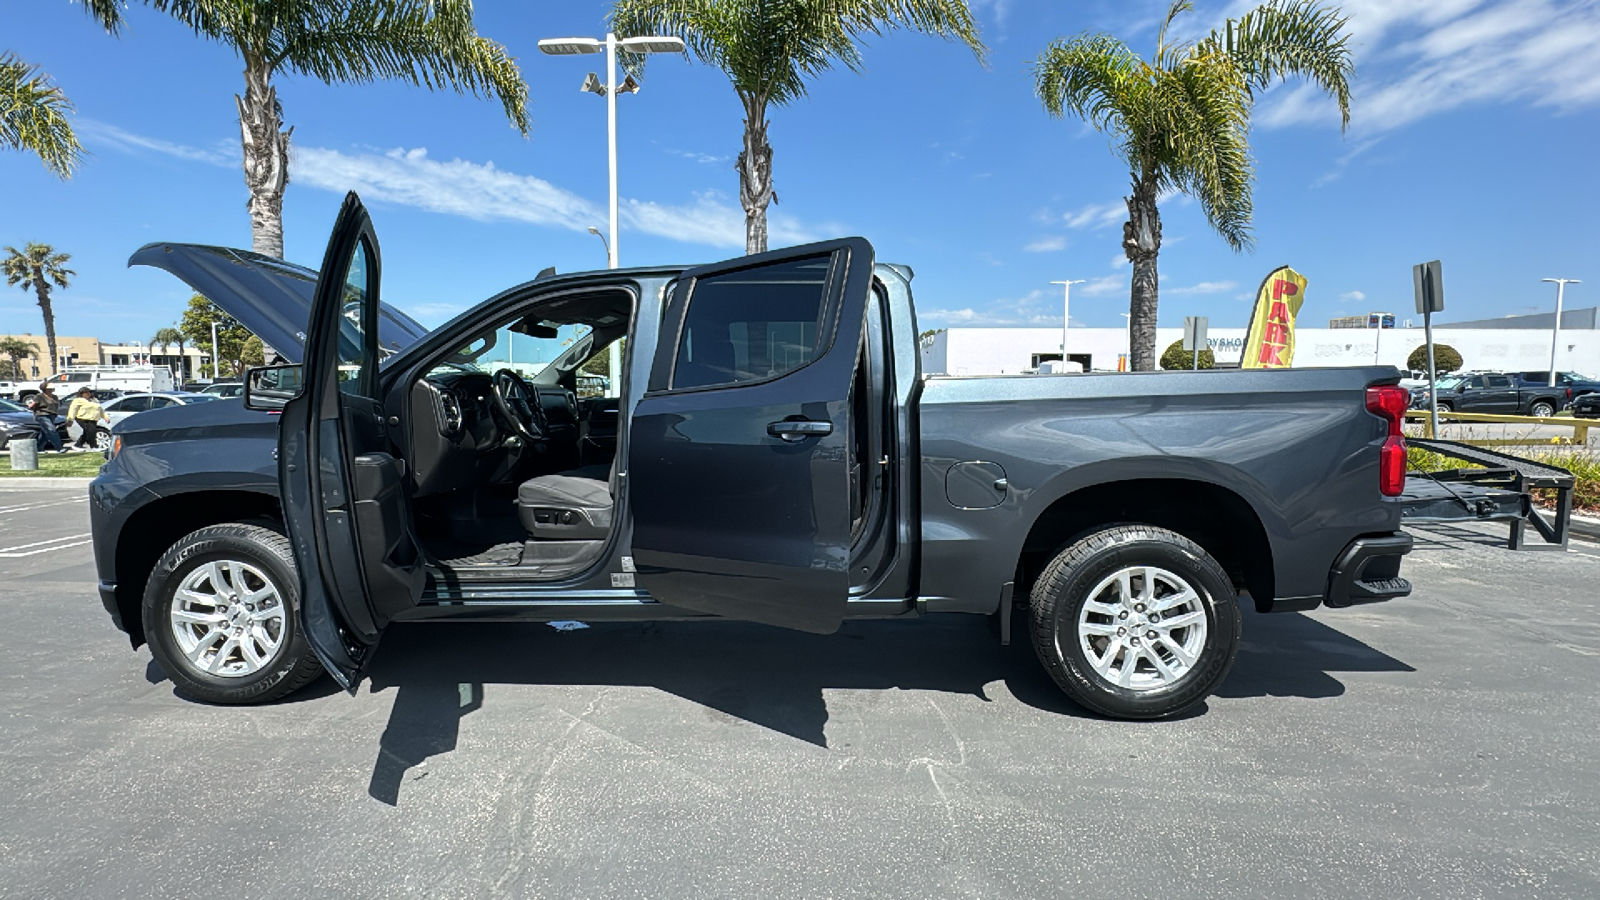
{"x":769,"y":452}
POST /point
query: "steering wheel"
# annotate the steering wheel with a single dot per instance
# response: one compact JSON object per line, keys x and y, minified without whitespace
{"x":519,"y":403}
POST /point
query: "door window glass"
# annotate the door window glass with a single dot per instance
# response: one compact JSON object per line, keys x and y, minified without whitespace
{"x":355,"y":310}
{"x":1499,"y":381}
{"x":132,"y":404}
{"x":158,"y":402}
{"x":752,"y":324}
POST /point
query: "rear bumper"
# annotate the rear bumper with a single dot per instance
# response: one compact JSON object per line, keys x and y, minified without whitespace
{"x":1368,"y":571}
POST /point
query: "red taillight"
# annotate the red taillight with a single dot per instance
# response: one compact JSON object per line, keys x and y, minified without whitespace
{"x":1389,"y":402}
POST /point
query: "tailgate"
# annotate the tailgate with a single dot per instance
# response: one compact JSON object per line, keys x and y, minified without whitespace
{"x":1500,"y":491}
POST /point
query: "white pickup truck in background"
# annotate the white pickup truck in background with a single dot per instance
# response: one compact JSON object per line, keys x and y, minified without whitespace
{"x":125,"y":379}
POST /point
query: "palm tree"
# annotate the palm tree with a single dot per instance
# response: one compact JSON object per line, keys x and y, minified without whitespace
{"x":34,"y":111}
{"x":1182,"y":122}
{"x":768,"y":48}
{"x":16,"y":350}
{"x":166,"y":338}
{"x":432,"y":43}
{"x":39,"y":268}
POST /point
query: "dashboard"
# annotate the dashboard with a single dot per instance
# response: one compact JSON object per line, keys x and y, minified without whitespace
{"x":460,"y":436}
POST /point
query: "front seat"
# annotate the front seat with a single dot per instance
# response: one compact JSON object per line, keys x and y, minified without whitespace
{"x":568,"y":506}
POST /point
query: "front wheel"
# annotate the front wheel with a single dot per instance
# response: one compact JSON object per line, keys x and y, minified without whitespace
{"x":1444,"y":407}
{"x":102,"y":439}
{"x":1135,"y":622}
{"x":1542,"y":408}
{"x":221,"y":613}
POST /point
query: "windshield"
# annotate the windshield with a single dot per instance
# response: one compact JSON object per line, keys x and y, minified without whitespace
{"x":1449,"y":382}
{"x":200,"y":398}
{"x":529,"y":355}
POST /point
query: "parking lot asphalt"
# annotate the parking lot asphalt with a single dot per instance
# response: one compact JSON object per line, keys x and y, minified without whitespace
{"x":1437,"y":746}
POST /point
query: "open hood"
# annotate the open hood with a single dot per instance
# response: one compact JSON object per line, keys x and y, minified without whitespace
{"x":270,"y":297}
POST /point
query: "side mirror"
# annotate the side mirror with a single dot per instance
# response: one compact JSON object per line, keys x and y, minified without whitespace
{"x":268,"y":388}
{"x":1461,"y":388}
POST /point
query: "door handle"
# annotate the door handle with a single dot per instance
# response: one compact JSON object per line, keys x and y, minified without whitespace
{"x":794,"y":430}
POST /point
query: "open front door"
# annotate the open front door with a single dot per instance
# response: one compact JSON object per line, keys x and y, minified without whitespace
{"x":343,"y":489}
{"x":739,"y":452}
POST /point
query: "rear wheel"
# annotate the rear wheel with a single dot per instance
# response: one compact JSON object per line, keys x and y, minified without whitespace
{"x":1542,"y":408}
{"x":1135,"y":622}
{"x":1444,"y":406}
{"x":221,"y":613}
{"x":102,"y":439}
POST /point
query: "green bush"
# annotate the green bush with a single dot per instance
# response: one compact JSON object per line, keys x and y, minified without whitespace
{"x":1446,"y":359}
{"x":1175,"y":357}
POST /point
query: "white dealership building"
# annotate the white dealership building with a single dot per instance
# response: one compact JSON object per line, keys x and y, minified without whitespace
{"x":1515,"y":343}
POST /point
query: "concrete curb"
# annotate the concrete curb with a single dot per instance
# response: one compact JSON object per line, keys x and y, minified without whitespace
{"x":1587,"y":526}
{"x":42,"y":483}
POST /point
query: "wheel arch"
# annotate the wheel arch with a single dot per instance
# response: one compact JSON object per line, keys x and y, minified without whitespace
{"x":159,"y":524}
{"x":1220,"y":520}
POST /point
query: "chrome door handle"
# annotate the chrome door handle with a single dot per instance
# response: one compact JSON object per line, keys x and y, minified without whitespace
{"x":798,"y":430}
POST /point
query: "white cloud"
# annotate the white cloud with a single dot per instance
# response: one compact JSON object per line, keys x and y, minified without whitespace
{"x":1204,"y":287}
{"x":225,"y":154}
{"x":1421,"y":59}
{"x":1353,"y":296}
{"x":1120,"y":260}
{"x":705,"y":159}
{"x":1107,"y":284}
{"x":1047,"y":245}
{"x":484,"y":192}
{"x":1097,"y":215}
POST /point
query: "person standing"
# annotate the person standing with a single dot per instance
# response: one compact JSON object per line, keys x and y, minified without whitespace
{"x":45,"y":406}
{"x":86,"y":411}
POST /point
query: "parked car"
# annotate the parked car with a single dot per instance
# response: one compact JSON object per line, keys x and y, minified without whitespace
{"x":130,"y":404}
{"x":1494,"y":392}
{"x":121,"y":379}
{"x":1577,"y":385}
{"x":224,"y":389}
{"x":1587,"y":406}
{"x":776,"y":456}
{"x":17,"y":421}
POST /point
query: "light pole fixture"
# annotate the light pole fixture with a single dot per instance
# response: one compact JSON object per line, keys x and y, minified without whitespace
{"x":601,"y":235}
{"x":1066,"y":315}
{"x":1555,"y":333}
{"x":610,"y":90}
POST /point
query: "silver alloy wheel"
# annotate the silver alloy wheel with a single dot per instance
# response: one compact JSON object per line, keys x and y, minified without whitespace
{"x":228,"y":618}
{"x":102,"y":439}
{"x":1142,"y":628}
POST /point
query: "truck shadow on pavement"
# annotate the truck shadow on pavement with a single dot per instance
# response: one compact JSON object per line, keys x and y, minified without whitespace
{"x":776,"y":678}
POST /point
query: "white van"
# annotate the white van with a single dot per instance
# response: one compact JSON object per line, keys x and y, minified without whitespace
{"x":148,"y":379}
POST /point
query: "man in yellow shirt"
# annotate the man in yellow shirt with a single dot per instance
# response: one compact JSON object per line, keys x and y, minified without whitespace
{"x":86,"y":411}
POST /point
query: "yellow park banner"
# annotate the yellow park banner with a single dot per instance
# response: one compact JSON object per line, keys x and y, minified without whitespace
{"x":1269,"y":344}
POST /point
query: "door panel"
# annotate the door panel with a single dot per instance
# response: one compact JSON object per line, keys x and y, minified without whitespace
{"x":344,"y":493}
{"x":739,"y":453}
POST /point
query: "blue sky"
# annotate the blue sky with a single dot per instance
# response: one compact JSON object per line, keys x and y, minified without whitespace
{"x":1473,"y":126}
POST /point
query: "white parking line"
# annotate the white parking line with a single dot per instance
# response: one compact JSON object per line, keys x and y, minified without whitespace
{"x":76,"y":540}
{"x":48,"y":503}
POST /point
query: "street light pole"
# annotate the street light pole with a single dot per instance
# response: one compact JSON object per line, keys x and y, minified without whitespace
{"x":1555,"y":333}
{"x":609,"y":90}
{"x":216,"y":371}
{"x":1066,"y":315}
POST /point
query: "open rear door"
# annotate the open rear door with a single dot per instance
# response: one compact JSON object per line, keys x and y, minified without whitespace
{"x":739,"y":452}
{"x":344,"y":492}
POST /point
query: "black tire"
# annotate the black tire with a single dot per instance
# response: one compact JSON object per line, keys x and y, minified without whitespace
{"x":1444,"y":406}
{"x":1064,"y":588}
{"x":290,"y":668}
{"x":1542,"y":409}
